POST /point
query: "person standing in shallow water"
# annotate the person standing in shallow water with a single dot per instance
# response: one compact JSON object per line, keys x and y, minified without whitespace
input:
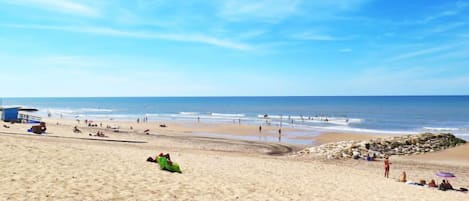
{"x":386,"y":167}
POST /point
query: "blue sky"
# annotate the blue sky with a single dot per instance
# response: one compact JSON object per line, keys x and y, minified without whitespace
{"x":233,"y":48}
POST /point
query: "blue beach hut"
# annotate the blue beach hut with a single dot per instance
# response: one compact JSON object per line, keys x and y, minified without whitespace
{"x":10,"y":114}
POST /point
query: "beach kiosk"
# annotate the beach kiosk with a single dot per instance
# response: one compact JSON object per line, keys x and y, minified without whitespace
{"x":19,"y":114}
{"x":10,"y":114}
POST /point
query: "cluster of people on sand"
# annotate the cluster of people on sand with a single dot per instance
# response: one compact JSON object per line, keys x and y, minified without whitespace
{"x":92,"y":125}
{"x":144,"y":120}
{"x":444,"y":185}
{"x":99,"y":134}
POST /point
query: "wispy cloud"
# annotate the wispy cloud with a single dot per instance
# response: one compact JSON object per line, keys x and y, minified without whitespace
{"x":423,"y":52}
{"x":262,"y":10}
{"x":457,"y":9}
{"x":273,"y":11}
{"x":315,"y":36}
{"x":62,"y":6}
{"x":105,"y":31}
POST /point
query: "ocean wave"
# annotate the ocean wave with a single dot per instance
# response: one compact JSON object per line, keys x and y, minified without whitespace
{"x":360,"y":130}
{"x":10,"y":106}
{"x":322,"y":120}
{"x":60,"y":111}
{"x":440,"y":129}
{"x":76,"y":111}
{"x":227,"y":115}
{"x":188,"y":113}
{"x":95,"y":110}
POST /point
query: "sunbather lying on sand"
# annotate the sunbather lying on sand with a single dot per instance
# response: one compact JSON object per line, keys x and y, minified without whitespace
{"x":432,"y":184}
{"x":150,"y":159}
{"x":164,"y":160}
{"x":76,"y":130}
{"x":99,"y":134}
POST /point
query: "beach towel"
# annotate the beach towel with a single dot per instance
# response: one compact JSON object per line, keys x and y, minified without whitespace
{"x":164,"y":165}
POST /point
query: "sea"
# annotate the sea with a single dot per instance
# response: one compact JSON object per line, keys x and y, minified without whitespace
{"x":361,"y":114}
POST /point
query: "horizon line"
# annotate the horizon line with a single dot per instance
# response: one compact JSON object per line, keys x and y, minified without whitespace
{"x":241,"y":96}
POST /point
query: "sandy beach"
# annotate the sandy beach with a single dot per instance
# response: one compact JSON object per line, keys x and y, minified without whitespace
{"x":63,"y":165}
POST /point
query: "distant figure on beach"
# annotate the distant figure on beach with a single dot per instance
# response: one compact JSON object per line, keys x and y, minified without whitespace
{"x":280,"y":134}
{"x":432,"y":184}
{"x":403,"y":177}
{"x":239,"y":121}
{"x":138,"y":120}
{"x":76,"y":130}
{"x":260,"y":129}
{"x":386,"y":167}
{"x":198,"y":119}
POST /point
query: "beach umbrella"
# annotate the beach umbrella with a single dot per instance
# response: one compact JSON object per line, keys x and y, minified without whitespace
{"x":445,"y":175}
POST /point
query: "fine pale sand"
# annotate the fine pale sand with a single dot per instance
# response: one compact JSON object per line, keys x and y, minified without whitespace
{"x":63,"y":165}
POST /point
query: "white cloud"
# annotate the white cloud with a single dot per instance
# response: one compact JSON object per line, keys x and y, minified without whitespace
{"x":196,"y":38}
{"x":315,"y":36}
{"x":63,"y":6}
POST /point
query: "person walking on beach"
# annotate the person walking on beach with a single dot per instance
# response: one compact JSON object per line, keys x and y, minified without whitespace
{"x":280,"y":134}
{"x":260,"y":129}
{"x":386,"y":166}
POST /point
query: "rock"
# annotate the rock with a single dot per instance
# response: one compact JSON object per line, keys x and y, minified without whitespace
{"x":402,"y":145}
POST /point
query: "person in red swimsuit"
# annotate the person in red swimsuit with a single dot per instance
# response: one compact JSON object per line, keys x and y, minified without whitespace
{"x":386,"y":167}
